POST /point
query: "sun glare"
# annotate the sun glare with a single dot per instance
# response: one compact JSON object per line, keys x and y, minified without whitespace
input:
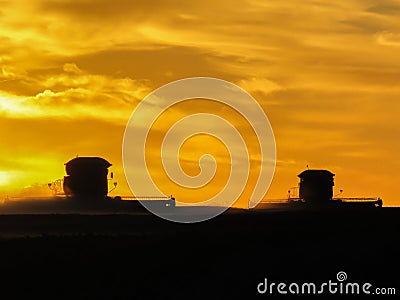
{"x":5,"y":178}
{"x":12,"y":105}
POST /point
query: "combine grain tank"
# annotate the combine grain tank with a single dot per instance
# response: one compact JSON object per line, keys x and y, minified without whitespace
{"x":316,"y":186}
{"x":87,"y":176}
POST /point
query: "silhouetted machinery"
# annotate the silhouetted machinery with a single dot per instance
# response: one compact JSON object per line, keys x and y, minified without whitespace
{"x":86,"y":177}
{"x":316,"y":190}
{"x":316,"y":186}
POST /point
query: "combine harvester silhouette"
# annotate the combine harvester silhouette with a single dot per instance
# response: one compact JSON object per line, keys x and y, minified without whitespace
{"x":87,"y":180}
{"x":315,"y":190}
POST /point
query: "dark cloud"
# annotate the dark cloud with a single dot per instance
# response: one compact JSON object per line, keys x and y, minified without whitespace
{"x":104,"y":9}
{"x":20,"y":87}
{"x":365,"y":24}
{"x":385,"y":8}
{"x":159,"y":65}
{"x":139,"y":10}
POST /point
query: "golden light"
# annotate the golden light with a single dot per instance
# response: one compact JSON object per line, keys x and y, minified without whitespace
{"x":327,"y":78}
{"x":5,"y":178}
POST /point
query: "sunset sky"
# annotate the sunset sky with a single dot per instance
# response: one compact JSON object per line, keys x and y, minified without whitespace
{"x":326,"y":74}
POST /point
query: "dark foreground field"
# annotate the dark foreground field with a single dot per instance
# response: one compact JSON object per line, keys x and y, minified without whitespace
{"x":144,"y":257}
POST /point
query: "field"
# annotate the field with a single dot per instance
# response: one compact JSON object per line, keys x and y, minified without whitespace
{"x":140,"y":256}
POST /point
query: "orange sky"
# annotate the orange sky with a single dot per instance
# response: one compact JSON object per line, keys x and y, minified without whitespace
{"x":326,"y":74}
